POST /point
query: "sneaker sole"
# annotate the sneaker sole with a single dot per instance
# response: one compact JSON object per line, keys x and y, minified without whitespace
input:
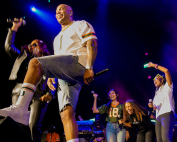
{"x":20,"y":118}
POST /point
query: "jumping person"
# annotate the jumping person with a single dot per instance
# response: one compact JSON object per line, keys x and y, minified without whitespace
{"x":75,"y":49}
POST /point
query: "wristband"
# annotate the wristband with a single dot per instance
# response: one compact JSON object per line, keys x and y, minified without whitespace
{"x":89,"y":67}
{"x":156,"y":66}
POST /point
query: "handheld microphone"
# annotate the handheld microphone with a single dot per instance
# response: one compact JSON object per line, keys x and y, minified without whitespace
{"x":11,"y":21}
{"x":80,"y":118}
{"x":100,"y":73}
{"x":119,"y":116}
{"x":94,"y":93}
{"x":150,"y":101}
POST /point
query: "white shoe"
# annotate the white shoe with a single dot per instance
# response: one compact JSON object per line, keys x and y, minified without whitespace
{"x":17,"y":113}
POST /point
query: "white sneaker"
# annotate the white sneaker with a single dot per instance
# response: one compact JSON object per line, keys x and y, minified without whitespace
{"x":16,"y":113}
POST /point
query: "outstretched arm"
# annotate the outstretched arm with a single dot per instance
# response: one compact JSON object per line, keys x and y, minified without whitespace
{"x":163,"y":69}
{"x":95,"y":109}
{"x":91,"y":56}
{"x":10,"y":48}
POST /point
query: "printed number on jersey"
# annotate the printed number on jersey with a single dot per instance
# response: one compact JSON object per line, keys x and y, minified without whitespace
{"x":113,"y":112}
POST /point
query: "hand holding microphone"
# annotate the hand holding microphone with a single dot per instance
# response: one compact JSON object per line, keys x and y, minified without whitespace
{"x":16,"y":20}
{"x":95,"y":95}
{"x":150,"y":104}
{"x":17,"y":23}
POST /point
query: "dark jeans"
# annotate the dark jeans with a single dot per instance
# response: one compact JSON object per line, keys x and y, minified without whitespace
{"x":37,"y":112}
{"x":164,"y":127}
{"x":148,"y":136}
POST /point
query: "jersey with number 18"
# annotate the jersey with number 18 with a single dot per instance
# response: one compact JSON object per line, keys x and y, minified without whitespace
{"x":115,"y":112}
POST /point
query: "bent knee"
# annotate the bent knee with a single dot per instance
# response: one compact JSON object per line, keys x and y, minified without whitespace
{"x":34,"y":63}
{"x":67,"y":114}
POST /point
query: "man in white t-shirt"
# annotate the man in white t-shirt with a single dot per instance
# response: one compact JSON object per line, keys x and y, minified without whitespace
{"x":75,"y":49}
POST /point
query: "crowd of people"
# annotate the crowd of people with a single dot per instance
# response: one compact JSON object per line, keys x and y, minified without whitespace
{"x":75,"y":50}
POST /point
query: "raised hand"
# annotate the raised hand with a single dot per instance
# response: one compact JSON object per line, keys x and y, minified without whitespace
{"x":150,"y":64}
{"x":95,"y":96}
{"x":17,"y":24}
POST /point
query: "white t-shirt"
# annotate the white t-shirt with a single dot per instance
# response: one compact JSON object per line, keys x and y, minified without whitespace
{"x":70,"y":41}
{"x":164,"y":100}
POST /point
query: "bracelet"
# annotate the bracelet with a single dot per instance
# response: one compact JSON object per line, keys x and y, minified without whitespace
{"x":89,"y":67}
{"x":156,"y":66}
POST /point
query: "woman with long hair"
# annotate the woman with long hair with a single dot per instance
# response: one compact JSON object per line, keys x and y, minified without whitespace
{"x":115,"y":132}
{"x":135,"y":115}
{"x":164,"y":105}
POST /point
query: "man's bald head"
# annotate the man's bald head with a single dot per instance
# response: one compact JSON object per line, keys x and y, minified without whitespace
{"x":64,"y":14}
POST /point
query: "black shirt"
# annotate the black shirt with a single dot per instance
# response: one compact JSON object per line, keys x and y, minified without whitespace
{"x":142,"y":126}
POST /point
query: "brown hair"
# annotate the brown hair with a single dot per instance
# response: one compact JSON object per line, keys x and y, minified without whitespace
{"x":43,"y":46}
{"x":138,"y":110}
{"x":109,"y":103}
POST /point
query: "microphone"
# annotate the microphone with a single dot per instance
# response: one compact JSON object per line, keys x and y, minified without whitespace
{"x":100,"y":73}
{"x":11,"y":21}
{"x":94,"y":93}
{"x":80,"y":118}
{"x":119,"y":116}
{"x":150,"y":100}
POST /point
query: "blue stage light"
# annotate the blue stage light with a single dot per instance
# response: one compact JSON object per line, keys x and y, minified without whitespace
{"x":33,"y":9}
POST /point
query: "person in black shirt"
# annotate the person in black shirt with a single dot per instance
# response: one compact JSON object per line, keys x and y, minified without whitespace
{"x":135,"y":115}
{"x":22,"y":57}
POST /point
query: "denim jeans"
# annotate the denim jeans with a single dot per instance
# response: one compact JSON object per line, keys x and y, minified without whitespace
{"x":115,"y":133}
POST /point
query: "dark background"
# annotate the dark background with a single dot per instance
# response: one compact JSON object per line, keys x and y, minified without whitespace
{"x":126,"y":30}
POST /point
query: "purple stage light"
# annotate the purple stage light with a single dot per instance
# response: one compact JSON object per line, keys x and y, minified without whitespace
{"x":146,"y":54}
{"x":149,"y":77}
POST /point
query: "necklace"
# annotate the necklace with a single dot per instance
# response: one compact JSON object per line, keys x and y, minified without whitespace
{"x":67,"y":26}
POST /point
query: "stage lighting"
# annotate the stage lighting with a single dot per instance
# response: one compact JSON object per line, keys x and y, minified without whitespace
{"x":33,"y":9}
